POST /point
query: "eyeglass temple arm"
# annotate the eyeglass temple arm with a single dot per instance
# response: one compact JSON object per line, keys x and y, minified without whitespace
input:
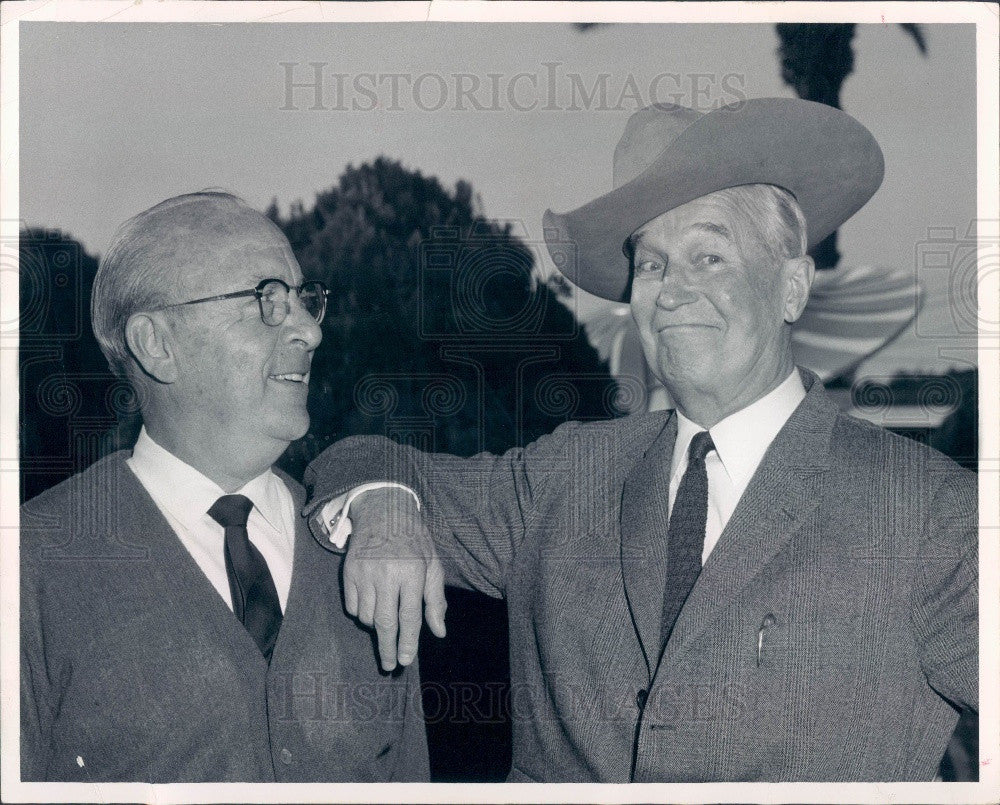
{"x":233,"y":295}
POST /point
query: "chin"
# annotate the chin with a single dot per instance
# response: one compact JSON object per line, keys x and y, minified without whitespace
{"x":686,"y":375}
{"x":289,"y":426}
{"x":301,"y":430}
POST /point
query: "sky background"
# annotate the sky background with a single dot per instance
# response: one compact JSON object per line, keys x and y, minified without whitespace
{"x":116,"y":117}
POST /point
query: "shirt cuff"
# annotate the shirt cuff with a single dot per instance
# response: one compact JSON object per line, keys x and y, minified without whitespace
{"x":332,"y":520}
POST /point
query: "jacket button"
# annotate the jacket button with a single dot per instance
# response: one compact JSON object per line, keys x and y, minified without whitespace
{"x":640,"y":698}
{"x":286,"y":757}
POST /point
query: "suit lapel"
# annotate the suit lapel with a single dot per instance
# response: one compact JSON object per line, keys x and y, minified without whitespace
{"x":184,"y":588}
{"x":644,"y":517}
{"x":783,"y":492}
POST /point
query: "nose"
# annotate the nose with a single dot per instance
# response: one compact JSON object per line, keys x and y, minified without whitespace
{"x":673,"y":291}
{"x":300,"y":327}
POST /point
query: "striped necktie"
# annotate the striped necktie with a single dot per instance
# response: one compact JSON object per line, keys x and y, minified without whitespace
{"x":686,"y":533}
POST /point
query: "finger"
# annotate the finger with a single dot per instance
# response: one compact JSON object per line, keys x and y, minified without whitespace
{"x":387,"y":628}
{"x":366,"y":604}
{"x":435,"y":604}
{"x":409,"y":622}
{"x":350,"y":598}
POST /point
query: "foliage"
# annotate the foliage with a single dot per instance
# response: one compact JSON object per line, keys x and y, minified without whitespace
{"x":438,"y":330}
{"x":72,"y":410}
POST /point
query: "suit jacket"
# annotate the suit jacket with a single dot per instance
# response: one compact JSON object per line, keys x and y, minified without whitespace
{"x":831,"y":634}
{"x":134,"y":669}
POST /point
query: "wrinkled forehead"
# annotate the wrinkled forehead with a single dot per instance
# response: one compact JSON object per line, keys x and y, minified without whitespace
{"x":218,"y":246}
{"x":715,"y":214}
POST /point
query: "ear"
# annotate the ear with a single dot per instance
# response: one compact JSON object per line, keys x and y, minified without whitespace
{"x":149,"y":341}
{"x":798,"y":273}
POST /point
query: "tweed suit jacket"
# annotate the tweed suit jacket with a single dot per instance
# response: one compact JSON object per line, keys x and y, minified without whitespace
{"x":134,"y":669}
{"x":831,"y":635}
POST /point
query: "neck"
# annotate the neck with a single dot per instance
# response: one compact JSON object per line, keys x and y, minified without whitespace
{"x":228,"y":465}
{"x":708,"y":407}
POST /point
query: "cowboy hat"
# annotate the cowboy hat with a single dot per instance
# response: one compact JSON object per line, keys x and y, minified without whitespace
{"x":670,"y":155}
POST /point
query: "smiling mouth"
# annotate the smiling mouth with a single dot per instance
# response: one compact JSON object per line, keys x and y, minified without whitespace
{"x":684,"y":325}
{"x":291,"y":377}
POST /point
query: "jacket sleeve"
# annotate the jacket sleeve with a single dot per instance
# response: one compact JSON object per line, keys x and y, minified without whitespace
{"x":946,"y":593}
{"x":478,"y":509}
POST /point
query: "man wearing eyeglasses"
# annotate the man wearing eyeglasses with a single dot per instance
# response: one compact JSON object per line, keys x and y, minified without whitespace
{"x":177,"y":617}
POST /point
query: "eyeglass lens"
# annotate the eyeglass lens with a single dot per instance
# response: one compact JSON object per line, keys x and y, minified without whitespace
{"x":274,"y":304}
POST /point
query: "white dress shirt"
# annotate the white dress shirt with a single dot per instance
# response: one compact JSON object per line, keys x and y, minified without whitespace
{"x":334,"y":520}
{"x":184,"y":496}
{"x":741,"y":439}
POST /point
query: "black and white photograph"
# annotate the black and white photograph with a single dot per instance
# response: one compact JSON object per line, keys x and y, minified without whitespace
{"x":499,"y":395}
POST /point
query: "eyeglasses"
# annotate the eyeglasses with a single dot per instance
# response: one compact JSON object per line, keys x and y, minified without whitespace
{"x":273,"y":296}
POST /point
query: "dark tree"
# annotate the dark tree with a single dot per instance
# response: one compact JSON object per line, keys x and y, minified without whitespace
{"x":439,"y":329}
{"x":72,"y":410}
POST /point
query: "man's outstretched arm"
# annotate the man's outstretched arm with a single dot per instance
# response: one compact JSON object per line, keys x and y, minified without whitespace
{"x":471,"y":513}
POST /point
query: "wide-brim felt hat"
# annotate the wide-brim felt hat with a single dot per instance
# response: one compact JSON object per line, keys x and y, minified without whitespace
{"x":670,"y":155}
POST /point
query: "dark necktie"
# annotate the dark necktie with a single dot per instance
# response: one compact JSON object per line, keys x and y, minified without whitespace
{"x":686,"y":533}
{"x":255,"y":599}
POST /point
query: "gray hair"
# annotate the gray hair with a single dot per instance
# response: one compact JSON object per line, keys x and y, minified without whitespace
{"x":775,"y":214}
{"x":133,"y":276}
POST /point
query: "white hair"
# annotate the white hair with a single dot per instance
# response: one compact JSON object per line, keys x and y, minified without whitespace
{"x":134,"y":274}
{"x":775,"y":214}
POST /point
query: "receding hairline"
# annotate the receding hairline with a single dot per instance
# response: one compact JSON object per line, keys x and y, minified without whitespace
{"x":206,"y":213}
{"x":190,"y":230}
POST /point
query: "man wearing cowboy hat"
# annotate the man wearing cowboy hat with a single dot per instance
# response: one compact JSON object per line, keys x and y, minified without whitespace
{"x":752,"y":586}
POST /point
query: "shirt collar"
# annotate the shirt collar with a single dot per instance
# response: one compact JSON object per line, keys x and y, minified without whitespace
{"x":742,"y":438}
{"x":187,"y":494}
